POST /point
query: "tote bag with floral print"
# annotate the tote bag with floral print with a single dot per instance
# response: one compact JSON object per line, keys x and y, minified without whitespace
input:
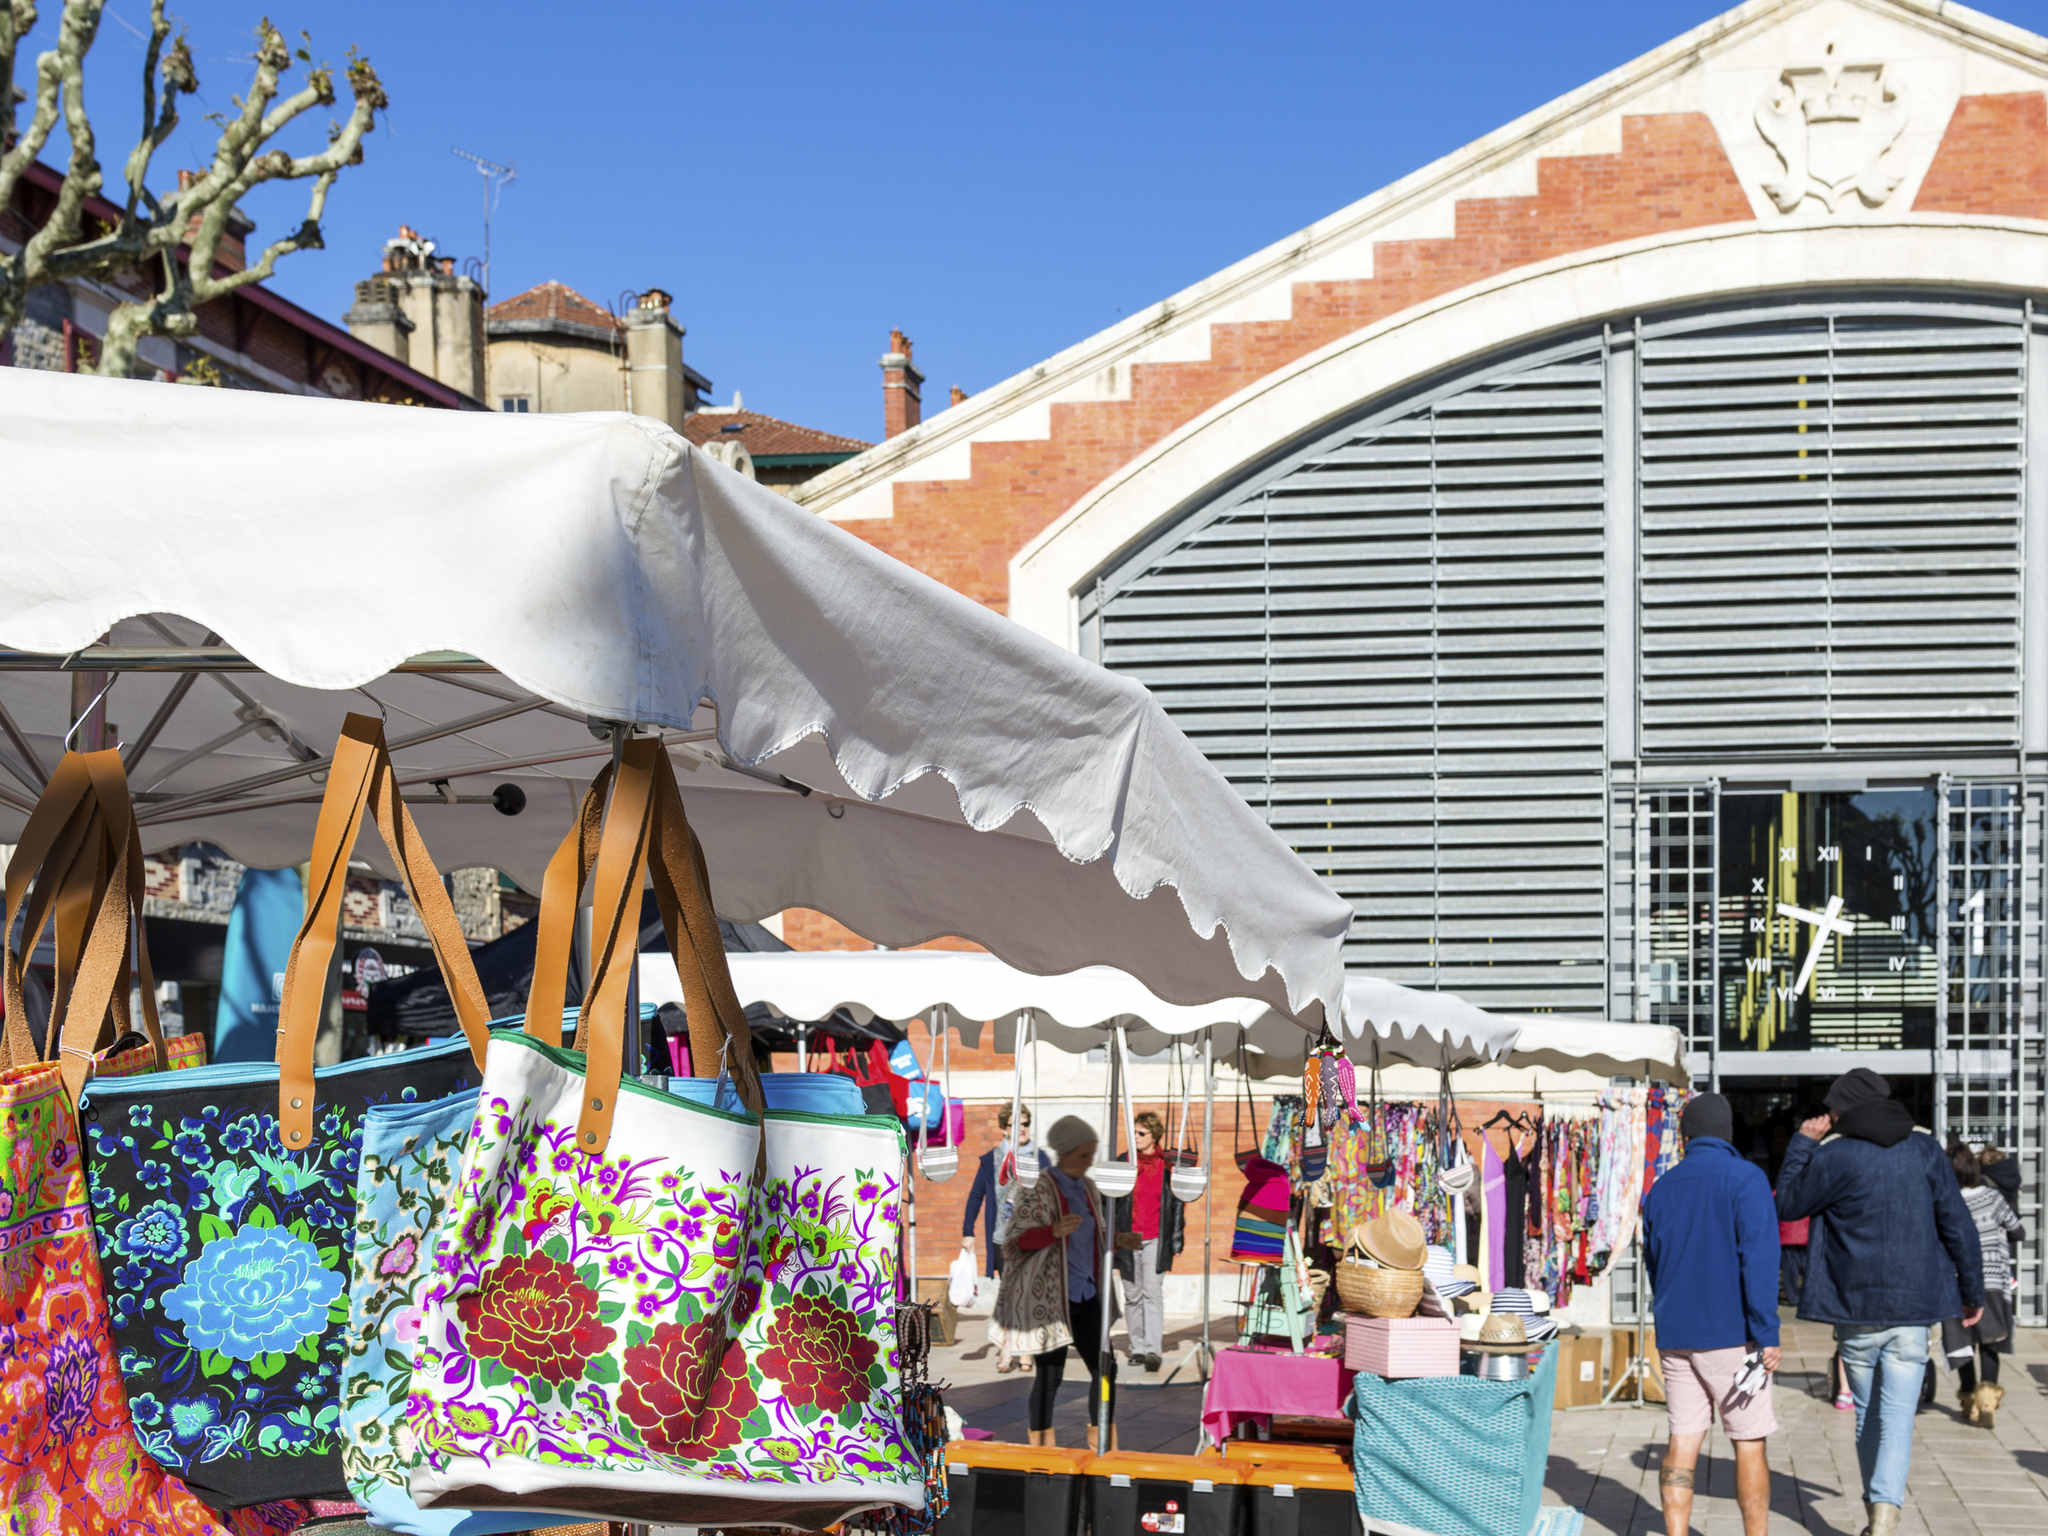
{"x":224,"y":1196}
{"x":411,"y":1154}
{"x":673,"y":1316}
{"x":70,"y":1463}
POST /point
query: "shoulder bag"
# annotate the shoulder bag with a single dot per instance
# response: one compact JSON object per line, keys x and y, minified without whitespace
{"x":224,"y":1197}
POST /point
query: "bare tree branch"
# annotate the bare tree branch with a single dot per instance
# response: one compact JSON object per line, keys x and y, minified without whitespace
{"x":177,"y":236}
{"x":159,"y":106}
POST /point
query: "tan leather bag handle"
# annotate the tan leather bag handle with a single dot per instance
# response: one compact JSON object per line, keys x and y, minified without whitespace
{"x":646,"y":829}
{"x":126,"y":889}
{"x":560,"y":891}
{"x":84,"y":852}
{"x":682,"y":883}
{"x":59,"y":819}
{"x":362,"y":784}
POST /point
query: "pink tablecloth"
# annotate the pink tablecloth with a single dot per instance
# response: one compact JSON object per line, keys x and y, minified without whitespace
{"x":1258,"y":1384}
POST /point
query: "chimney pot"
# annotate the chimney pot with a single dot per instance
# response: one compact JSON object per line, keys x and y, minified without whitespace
{"x":656,"y":298}
{"x":959,"y":394}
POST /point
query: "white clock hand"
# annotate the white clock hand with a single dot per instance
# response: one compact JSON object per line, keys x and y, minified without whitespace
{"x":1824,"y":923}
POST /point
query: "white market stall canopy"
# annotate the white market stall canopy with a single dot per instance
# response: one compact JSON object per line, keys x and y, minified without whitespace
{"x":1652,"y":1052}
{"x":229,"y":573}
{"x":1072,"y":1010}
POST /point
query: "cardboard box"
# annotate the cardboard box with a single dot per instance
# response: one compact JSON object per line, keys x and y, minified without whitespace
{"x":1581,"y":1373}
{"x":1624,"y":1347}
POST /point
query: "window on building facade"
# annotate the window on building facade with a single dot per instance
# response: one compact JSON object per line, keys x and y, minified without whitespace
{"x":515,"y":402}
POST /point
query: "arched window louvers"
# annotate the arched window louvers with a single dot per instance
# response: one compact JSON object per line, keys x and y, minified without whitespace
{"x":1391,"y":638}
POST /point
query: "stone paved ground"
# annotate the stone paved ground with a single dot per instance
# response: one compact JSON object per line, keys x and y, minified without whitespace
{"x":1965,"y":1481}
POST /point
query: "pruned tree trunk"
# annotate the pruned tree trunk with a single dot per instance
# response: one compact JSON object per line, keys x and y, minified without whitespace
{"x":172,"y":242}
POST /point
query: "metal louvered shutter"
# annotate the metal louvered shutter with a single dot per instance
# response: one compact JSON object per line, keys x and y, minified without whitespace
{"x":1392,"y":643}
{"x":1831,"y":504}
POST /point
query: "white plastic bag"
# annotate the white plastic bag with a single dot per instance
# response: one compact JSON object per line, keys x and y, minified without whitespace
{"x":963,"y":1277}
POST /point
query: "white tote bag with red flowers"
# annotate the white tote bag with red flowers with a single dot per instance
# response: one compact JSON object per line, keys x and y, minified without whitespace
{"x":649,"y":1308}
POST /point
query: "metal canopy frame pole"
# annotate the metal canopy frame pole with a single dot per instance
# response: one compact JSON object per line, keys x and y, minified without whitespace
{"x":1105,"y":1438}
{"x":1201,"y":1353}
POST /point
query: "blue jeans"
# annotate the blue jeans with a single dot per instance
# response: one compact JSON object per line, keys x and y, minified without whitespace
{"x":1889,"y":1364}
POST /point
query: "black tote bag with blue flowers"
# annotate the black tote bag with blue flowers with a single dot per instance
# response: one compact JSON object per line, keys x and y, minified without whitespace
{"x":224,"y":1197}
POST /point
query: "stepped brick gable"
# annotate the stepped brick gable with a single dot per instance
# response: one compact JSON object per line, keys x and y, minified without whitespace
{"x":1670,"y":174}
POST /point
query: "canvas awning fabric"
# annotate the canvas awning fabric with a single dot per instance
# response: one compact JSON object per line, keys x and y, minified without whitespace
{"x":1650,"y":1052}
{"x":1073,"y":1010}
{"x":850,"y":735}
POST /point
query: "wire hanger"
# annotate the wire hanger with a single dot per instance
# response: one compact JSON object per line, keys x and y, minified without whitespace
{"x":86,"y":714}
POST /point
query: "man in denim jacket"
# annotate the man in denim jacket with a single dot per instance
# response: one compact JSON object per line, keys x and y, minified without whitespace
{"x":1893,"y":1251}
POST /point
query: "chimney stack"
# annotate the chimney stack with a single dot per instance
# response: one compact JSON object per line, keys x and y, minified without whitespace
{"x":421,"y":311}
{"x":902,"y":402}
{"x":959,"y":394}
{"x":654,"y":358}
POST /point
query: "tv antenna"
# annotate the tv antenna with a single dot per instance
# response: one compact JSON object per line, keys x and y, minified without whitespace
{"x":495,"y":177}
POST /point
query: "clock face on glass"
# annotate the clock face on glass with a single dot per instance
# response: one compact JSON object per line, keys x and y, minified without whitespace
{"x":1828,"y":920}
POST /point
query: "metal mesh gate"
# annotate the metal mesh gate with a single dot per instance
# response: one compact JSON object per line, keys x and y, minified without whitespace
{"x":1672,"y":932}
{"x":1990,"y":1023}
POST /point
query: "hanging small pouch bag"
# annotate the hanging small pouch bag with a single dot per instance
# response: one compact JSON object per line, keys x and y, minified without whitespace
{"x":938,"y":1158}
{"x":649,"y":1309}
{"x":1189,"y":1175}
{"x":1260,"y":1231}
{"x":224,"y":1197}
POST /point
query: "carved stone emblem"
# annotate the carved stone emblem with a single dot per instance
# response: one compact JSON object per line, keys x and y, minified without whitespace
{"x":1833,"y":126}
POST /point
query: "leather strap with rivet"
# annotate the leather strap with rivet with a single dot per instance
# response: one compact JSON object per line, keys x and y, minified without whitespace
{"x":361,"y":784}
{"x":645,"y":829}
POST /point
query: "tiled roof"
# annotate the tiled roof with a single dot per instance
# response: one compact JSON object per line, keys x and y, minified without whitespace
{"x":765,"y":436}
{"x":552,"y":301}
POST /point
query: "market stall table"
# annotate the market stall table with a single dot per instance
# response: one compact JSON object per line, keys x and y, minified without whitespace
{"x":1250,"y":1384}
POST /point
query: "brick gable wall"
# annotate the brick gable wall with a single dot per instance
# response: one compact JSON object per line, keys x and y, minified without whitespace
{"x":1993,"y":159}
{"x":1669,"y":174}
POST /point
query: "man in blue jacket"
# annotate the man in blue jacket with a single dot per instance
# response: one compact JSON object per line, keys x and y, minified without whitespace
{"x":1710,"y":1236}
{"x":1892,"y":1252}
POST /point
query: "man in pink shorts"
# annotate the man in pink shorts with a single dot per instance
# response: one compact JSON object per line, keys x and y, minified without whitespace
{"x":1710,"y":1236}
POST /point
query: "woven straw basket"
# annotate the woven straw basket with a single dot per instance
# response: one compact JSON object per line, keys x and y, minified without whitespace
{"x":1369,"y":1291}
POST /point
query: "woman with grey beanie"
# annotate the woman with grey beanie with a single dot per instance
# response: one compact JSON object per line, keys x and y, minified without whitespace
{"x":1052,"y":1275}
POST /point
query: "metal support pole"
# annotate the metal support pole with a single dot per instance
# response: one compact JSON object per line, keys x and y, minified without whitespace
{"x":635,"y":1047}
{"x":1203,"y":1354}
{"x":1106,"y":1429}
{"x":1209,"y":1190}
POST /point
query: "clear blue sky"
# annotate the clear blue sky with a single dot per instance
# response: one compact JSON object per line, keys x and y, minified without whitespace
{"x":1000,"y":180}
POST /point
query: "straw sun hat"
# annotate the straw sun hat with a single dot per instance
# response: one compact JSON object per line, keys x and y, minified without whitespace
{"x":1394,"y":1240}
{"x":1497,"y":1333}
